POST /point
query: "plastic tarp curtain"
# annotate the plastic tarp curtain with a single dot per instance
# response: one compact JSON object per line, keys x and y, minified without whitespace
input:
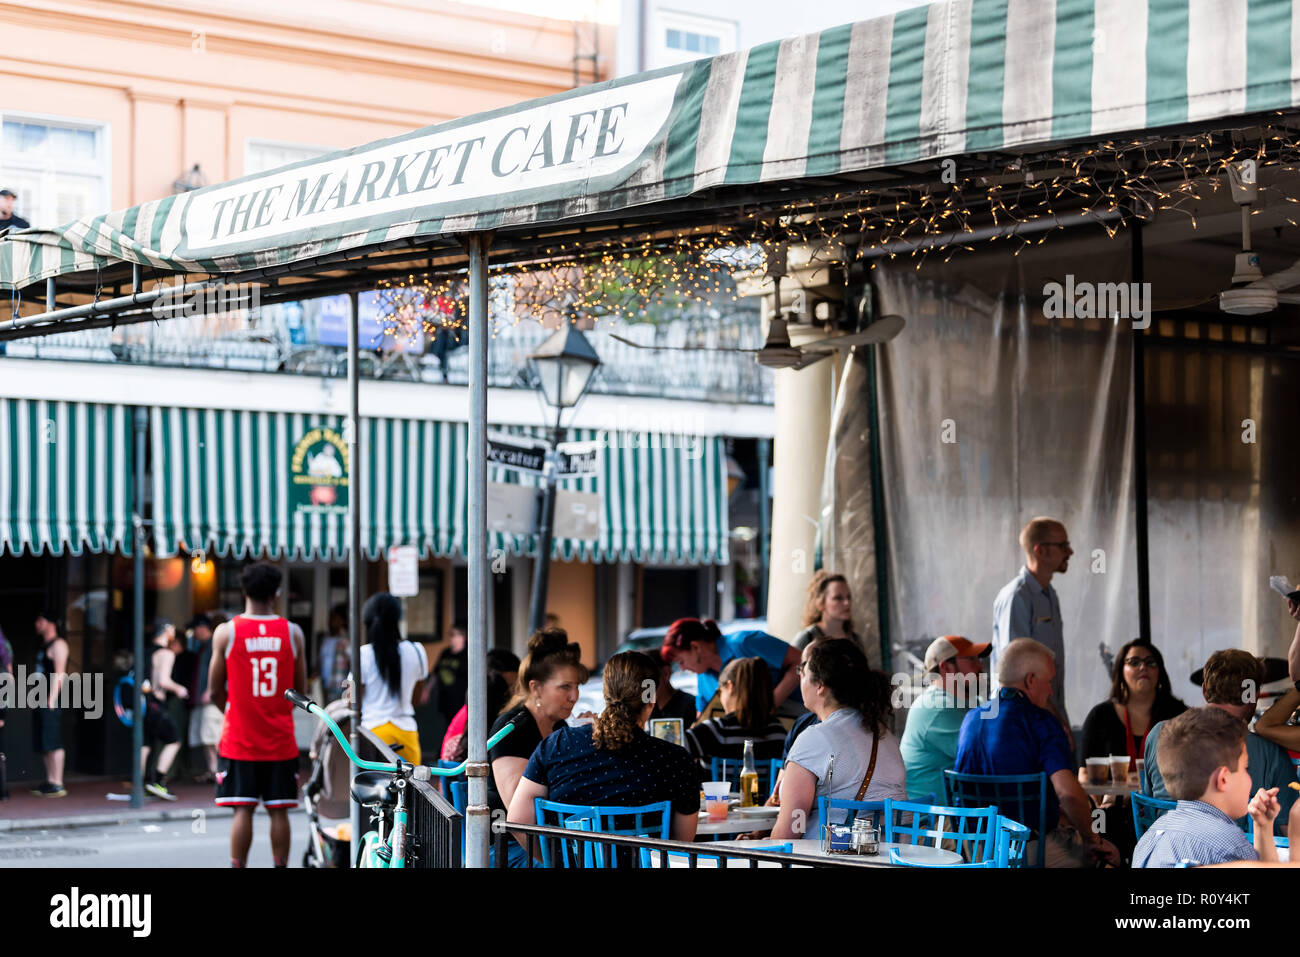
{"x":990,"y":415}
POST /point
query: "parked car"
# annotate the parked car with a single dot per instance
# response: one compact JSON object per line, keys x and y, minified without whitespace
{"x":591,"y":696}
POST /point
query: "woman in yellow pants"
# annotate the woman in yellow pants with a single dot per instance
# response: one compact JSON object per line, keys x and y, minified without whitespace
{"x":391,"y":672}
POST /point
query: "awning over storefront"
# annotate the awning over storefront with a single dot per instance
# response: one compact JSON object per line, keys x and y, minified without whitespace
{"x":966,"y":76}
{"x":66,"y":473}
{"x":244,"y":483}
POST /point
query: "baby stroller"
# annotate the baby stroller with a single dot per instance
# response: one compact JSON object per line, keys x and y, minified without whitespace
{"x":325,"y":795}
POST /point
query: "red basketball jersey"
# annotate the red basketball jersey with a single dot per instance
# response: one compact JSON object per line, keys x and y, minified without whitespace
{"x":259,"y":668}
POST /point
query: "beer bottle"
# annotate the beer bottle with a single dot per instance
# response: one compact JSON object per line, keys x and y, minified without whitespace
{"x":748,"y":777}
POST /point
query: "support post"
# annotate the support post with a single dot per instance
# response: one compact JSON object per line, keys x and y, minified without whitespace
{"x":477,"y":813}
{"x":545,"y":535}
{"x":1140,"y":454}
{"x":141,"y":423}
{"x":352,"y":437}
{"x":764,"y":524}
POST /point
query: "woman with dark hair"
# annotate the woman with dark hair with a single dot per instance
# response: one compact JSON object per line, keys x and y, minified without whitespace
{"x":391,"y":671}
{"x":502,"y":672}
{"x":544,"y":695}
{"x":612,"y":762}
{"x":745,"y":689}
{"x":851,"y":753}
{"x":1140,"y":696}
{"x":701,"y":647}
{"x":828,"y":612}
{"x":670,"y":702}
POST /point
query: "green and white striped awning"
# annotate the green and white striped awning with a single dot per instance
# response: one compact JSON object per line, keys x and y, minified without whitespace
{"x":941,"y":80}
{"x":246,"y":483}
{"x":65,"y":477}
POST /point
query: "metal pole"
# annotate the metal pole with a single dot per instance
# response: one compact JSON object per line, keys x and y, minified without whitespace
{"x":137,"y":612}
{"x":1140,"y":454}
{"x":352,"y":436}
{"x":764,"y":523}
{"x":477,"y":821}
{"x":545,"y":534}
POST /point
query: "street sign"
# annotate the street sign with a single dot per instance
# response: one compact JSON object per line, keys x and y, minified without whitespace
{"x":577,"y":515}
{"x":511,"y":508}
{"x":575,"y":460}
{"x":404,"y":571}
{"x":518,"y":452}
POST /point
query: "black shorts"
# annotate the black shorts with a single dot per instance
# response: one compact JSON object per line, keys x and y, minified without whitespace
{"x":248,"y":783}
{"x":47,"y":730}
{"x":158,"y":726}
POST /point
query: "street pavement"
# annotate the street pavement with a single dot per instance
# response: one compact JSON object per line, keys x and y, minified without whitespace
{"x":199,"y":840}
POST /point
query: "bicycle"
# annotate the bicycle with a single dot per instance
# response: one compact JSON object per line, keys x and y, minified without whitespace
{"x":381,"y":786}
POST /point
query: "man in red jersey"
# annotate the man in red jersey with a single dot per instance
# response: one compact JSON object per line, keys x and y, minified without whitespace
{"x":256,"y":656}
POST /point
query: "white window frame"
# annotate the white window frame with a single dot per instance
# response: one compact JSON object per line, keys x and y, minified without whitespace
{"x":251,"y":142}
{"x":103,"y":168}
{"x":664,"y":20}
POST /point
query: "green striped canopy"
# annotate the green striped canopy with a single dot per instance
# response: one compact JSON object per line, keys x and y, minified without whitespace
{"x":65,"y":477}
{"x":224,"y":482}
{"x":951,"y":78}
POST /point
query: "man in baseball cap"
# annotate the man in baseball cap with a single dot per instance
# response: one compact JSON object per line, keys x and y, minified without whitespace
{"x":7,"y":218}
{"x":953,"y":667}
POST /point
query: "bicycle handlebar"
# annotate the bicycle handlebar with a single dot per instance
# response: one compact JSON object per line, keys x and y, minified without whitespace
{"x":421,"y":772}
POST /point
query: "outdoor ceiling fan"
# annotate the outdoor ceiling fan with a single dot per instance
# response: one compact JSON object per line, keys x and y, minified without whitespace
{"x":777,"y":351}
{"x":1252,"y":292}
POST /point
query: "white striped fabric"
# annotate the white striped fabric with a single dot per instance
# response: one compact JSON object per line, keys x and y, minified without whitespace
{"x":66,"y":477}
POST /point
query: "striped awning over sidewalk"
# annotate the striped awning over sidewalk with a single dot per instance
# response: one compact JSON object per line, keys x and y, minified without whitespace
{"x":66,"y":477}
{"x":246,"y":483}
{"x":950,"y":78}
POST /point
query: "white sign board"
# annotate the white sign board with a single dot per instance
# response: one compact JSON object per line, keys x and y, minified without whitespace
{"x":577,"y":515}
{"x":404,"y":571}
{"x":511,"y":509}
{"x":576,"y":460}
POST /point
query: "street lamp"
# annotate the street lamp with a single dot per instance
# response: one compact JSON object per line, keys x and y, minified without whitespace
{"x":563,"y":366}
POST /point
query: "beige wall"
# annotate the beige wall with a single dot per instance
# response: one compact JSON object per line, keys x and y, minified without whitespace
{"x":571,"y":594}
{"x":180,"y":86}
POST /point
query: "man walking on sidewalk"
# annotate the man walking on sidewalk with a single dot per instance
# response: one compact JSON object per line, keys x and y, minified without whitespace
{"x":255,"y":657}
{"x":47,"y":721}
{"x":159,"y":728}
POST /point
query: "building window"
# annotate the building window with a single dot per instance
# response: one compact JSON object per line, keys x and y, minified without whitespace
{"x":59,"y":169}
{"x":685,"y":37}
{"x":263,"y":155}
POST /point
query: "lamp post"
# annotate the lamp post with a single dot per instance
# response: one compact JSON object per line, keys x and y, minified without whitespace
{"x":564,"y":366}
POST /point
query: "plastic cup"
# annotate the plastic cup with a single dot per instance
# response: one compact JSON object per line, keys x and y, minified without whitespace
{"x":1098,"y":770}
{"x":1119,"y":768}
{"x":716,"y":799}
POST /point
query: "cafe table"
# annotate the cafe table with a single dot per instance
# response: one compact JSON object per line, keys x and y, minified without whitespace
{"x":809,"y":847}
{"x":739,"y":821}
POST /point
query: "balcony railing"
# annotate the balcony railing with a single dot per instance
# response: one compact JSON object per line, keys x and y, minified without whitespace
{"x":285,"y":339}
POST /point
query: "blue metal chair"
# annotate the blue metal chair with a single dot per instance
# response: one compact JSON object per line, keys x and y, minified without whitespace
{"x":648,"y":860}
{"x":1147,"y":810}
{"x":1021,"y":797}
{"x":728,"y":769}
{"x":828,"y":806}
{"x":896,"y":858}
{"x":650,"y":820}
{"x":1013,"y":838}
{"x":973,"y":829}
{"x":444,"y":784}
{"x":460,"y":795}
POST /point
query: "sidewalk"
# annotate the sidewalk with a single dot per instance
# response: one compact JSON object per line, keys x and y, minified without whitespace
{"x":87,"y":804}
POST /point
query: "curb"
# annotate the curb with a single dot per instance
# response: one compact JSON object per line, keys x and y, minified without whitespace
{"x":144,"y":815}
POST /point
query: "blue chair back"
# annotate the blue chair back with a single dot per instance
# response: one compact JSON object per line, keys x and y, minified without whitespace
{"x":896,"y":858}
{"x":1147,"y":810}
{"x":974,"y":831}
{"x":1278,"y":840}
{"x":1021,"y":797}
{"x":1013,"y":838}
{"x":460,"y":795}
{"x":728,"y":769}
{"x":829,"y":812}
{"x":649,"y":820}
{"x":648,"y":859}
{"x":444,"y":785}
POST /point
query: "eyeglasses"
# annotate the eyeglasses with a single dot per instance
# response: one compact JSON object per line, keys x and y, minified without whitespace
{"x":1141,"y":663}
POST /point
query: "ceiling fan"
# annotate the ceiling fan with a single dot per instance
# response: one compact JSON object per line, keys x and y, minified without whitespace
{"x":1252,"y":292}
{"x":777,"y":351}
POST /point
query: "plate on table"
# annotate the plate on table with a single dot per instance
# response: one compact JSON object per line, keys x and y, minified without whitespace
{"x":759,"y":811}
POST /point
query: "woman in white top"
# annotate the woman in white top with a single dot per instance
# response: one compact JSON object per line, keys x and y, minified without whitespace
{"x":832,"y":758}
{"x":391,"y":672}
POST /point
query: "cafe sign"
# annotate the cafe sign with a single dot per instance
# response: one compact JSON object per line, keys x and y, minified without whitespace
{"x":318,"y":479}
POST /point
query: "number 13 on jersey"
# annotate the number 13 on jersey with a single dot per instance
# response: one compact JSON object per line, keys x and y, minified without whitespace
{"x":264,"y":677}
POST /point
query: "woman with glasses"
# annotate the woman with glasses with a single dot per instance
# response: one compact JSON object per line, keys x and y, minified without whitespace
{"x":1140,"y":696}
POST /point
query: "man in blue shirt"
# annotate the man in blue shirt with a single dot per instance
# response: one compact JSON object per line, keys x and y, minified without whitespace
{"x":953,"y":666}
{"x":1204,"y":763}
{"x":699,"y":646}
{"x":1016,"y":734}
{"x":1225,"y":680}
{"x":1027,"y":607}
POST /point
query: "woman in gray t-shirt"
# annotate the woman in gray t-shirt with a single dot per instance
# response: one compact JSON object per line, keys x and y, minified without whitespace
{"x":832,"y":758}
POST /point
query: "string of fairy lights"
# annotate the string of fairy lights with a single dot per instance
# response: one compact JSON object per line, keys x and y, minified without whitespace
{"x":652,"y":276}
